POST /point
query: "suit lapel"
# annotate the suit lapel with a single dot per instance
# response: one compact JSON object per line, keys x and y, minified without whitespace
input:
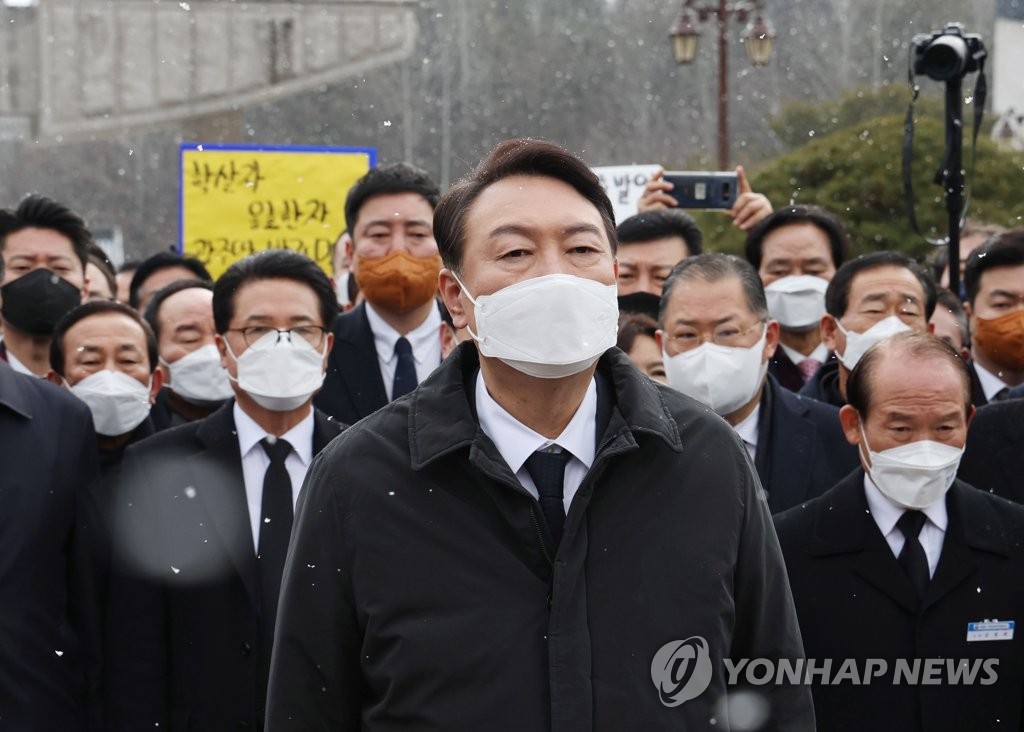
{"x":788,"y":469}
{"x":973,"y":525}
{"x":844,"y":525}
{"x":220,"y":484}
{"x":358,"y":368}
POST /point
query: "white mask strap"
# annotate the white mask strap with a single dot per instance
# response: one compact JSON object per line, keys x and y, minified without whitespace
{"x":465,"y":291}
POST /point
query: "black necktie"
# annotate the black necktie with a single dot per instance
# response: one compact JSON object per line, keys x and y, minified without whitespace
{"x":548,"y":472}
{"x":1001,"y":395}
{"x":405,"y":371}
{"x":912,"y":558}
{"x":275,"y":529}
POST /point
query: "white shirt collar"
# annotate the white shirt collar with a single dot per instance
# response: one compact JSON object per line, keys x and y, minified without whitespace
{"x":420,"y":337}
{"x":747,"y":429}
{"x":887,"y":512}
{"x":18,"y":366}
{"x":990,"y":383}
{"x":819,"y":354}
{"x":300,"y":437}
{"x":516,"y":442}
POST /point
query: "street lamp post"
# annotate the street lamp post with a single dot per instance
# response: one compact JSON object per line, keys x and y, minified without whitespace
{"x":758,"y":38}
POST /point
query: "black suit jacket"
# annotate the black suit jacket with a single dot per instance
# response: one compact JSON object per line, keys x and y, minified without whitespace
{"x":353,"y":387}
{"x":801,"y":449}
{"x":855,"y":601}
{"x":48,"y":457}
{"x":824,"y":385}
{"x":786,"y":372}
{"x":994,"y":458}
{"x":978,"y":398}
{"x":183,"y":645}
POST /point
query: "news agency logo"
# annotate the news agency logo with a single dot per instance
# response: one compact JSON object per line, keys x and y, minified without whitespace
{"x":681,"y":670}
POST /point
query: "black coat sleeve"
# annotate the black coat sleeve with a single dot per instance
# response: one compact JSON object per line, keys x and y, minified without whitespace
{"x":767,"y":624}
{"x":315,"y":676}
{"x":135,"y":649}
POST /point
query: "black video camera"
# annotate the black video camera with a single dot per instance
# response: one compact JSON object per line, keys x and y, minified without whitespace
{"x":947,"y":54}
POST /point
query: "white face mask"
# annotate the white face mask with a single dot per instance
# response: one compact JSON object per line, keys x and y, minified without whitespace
{"x":280,"y":374}
{"x":797,"y":302}
{"x":724,"y":378}
{"x":857,"y":344}
{"x":548,"y":327}
{"x":198,"y":377}
{"x":118,"y":402}
{"x":915,"y":475}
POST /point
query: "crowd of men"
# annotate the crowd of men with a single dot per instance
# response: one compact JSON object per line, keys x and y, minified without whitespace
{"x":512,"y":452}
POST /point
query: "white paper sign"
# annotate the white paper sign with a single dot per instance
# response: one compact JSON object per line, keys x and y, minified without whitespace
{"x":624,"y":185}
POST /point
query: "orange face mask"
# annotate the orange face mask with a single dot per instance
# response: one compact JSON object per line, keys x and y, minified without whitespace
{"x":398,"y":282}
{"x":1002,"y":339}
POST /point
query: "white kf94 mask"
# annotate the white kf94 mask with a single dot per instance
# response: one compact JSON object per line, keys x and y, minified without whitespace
{"x":118,"y":402}
{"x":279,"y":372}
{"x":548,"y":327}
{"x":797,"y":301}
{"x":722,"y":377}
{"x":914,"y":475}
{"x":857,"y":344}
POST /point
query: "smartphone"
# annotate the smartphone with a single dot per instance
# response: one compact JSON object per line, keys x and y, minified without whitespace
{"x":703,"y":189}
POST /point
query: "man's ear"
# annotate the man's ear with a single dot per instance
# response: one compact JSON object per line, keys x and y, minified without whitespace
{"x":450,"y":291}
{"x":828,"y":331}
{"x":156,"y":385}
{"x":350,"y":250}
{"x":849,"y":418}
{"x":659,"y":338}
{"x":771,"y":340}
{"x":53,"y":378}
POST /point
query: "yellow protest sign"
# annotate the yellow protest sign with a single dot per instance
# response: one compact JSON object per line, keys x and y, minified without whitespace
{"x":239,"y":199}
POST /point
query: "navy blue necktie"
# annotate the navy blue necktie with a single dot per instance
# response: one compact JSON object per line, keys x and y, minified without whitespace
{"x":405,"y":371}
{"x":548,"y":472}
{"x":912,"y":558}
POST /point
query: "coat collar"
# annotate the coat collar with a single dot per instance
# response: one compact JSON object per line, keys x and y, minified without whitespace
{"x":442,"y":418}
{"x":12,"y":394}
{"x":843,"y":525}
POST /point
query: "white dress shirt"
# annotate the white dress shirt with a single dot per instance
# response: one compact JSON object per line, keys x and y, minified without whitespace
{"x":516,"y":442}
{"x":748,"y":429}
{"x":990,"y":383}
{"x":18,"y":366}
{"x":819,"y":354}
{"x":255,"y":461}
{"x":425,"y":340}
{"x":886,"y":513}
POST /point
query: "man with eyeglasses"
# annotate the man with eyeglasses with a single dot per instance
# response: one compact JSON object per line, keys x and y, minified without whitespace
{"x":717,"y":338}
{"x":204,"y":513}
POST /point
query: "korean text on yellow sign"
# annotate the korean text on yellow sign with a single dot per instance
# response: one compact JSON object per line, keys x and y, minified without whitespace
{"x":236,"y":200}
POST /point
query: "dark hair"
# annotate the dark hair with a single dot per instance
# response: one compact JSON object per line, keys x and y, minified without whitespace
{"x":272,"y":264}
{"x":103,"y":265}
{"x":651,"y":225}
{"x":632,"y":325}
{"x":827,"y":222}
{"x":912,"y":348}
{"x":837,"y":296}
{"x":1002,"y":250}
{"x":951,"y":302}
{"x":712,"y":268}
{"x":511,"y":158}
{"x":152,"y":313}
{"x":86,"y":310}
{"x":389,"y":179}
{"x":161,"y":261}
{"x":129,"y":265}
{"x":40,"y":212}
